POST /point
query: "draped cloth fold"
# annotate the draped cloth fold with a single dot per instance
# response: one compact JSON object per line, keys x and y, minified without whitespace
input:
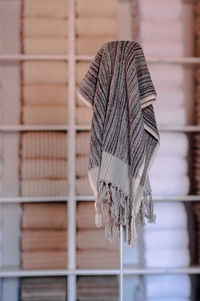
{"x":124,"y":136}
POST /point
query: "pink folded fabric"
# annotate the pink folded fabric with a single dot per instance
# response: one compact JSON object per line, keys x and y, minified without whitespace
{"x":44,"y":260}
{"x":44,"y":187}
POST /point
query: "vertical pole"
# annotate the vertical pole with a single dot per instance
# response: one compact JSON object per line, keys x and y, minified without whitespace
{"x":121,"y":264}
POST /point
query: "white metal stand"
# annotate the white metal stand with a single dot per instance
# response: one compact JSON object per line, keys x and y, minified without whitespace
{"x":121,"y":264}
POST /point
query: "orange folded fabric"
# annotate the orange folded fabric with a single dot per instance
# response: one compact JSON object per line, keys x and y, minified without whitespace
{"x":44,"y":216}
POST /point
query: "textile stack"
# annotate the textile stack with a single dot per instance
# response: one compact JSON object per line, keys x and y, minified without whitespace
{"x":196,"y":209}
{"x":43,"y":169}
{"x":44,"y":236}
{"x":91,"y":288}
{"x":82,"y":147}
{"x":96,"y":23}
{"x":43,"y":289}
{"x":93,"y":250}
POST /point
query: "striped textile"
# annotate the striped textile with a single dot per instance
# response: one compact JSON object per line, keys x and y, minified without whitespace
{"x":124,"y":136}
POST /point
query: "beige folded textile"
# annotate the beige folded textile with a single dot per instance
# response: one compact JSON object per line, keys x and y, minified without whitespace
{"x":44,"y":27}
{"x":47,"y":8}
{"x":44,"y":216}
{"x":83,"y":115}
{"x":44,"y":72}
{"x":46,"y":145}
{"x":44,"y":260}
{"x":81,"y":70}
{"x":99,"y":8}
{"x":99,"y":259}
{"x":81,"y":166}
{"x":83,"y":186}
{"x":43,"y":45}
{"x":86,"y":216}
{"x":43,"y":168}
{"x":45,"y":94}
{"x":99,"y":26}
{"x":95,"y":239}
{"x":35,"y":240}
{"x":82,"y":143}
{"x":41,"y":114}
{"x":44,"y":187}
{"x":89,"y":45}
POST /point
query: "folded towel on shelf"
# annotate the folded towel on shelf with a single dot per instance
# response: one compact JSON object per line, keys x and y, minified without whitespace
{"x":45,"y":145}
{"x":170,"y":31}
{"x":167,"y":258}
{"x":43,"y":288}
{"x":167,"y":286}
{"x":96,"y":26}
{"x":99,"y":8}
{"x":82,"y":143}
{"x":43,"y":45}
{"x":43,"y":168}
{"x":167,"y":116}
{"x":169,"y":216}
{"x":44,"y":27}
{"x":44,"y":72}
{"x":167,"y":75}
{"x":162,"y":48}
{"x":45,"y":94}
{"x":41,"y":115}
{"x":173,"y":186}
{"x":166,"y":239}
{"x":173,"y":144}
{"x":44,"y":187}
{"x":40,"y":240}
{"x":95,"y":239}
{"x":160,"y":10}
{"x":85,"y":215}
{"x":171,"y":95}
{"x":81,"y":165}
{"x":81,"y":69}
{"x":83,"y":186}
{"x":98,"y":259}
{"x":169,"y":165}
{"x":83,"y":115}
{"x":44,"y":260}
{"x":88,"y":45}
{"x":44,"y":216}
{"x":47,"y":8}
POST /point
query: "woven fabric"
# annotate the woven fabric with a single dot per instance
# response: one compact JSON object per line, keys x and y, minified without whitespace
{"x":124,"y":136}
{"x":44,"y":187}
{"x":44,"y":260}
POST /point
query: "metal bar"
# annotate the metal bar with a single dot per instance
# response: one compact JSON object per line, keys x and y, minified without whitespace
{"x":121,"y":264}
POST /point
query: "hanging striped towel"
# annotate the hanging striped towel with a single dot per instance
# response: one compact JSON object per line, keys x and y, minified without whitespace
{"x":124,"y":136}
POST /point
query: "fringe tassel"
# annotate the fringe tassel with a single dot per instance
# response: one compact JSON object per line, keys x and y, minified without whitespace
{"x":118,"y":209}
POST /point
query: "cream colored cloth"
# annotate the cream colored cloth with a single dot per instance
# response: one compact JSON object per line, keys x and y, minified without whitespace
{"x":97,"y":26}
{"x":81,"y":70}
{"x":99,"y":259}
{"x":43,"y":45}
{"x":81,"y":166}
{"x":43,"y":168}
{"x":45,"y":115}
{"x":94,"y":239}
{"x":46,"y":145}
{"x":85,"y":216}
{"x":89,"y":45}
{"x":44,"y":216}
{"x":44,"y":72}
{"x":99,"y":8}
{"x":40,"y":240}
{"x":44,"y":260}
{"x":46,"y":94}
{"x":44,"y":187}
{"x":44,"y":27}
{"x":83,"y":115}
{"x":83,"y":186}
{"x":82,"y":143}
{"x":47,"y":8}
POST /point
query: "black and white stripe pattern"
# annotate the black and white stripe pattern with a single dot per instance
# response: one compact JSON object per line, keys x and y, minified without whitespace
{"x":124,"y":134}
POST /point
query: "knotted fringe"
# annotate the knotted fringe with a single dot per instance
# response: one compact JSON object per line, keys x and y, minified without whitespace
{"x":118,"y":209}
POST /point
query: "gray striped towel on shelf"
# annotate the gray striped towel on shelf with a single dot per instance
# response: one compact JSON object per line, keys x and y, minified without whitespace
{"x":124,"y":136}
